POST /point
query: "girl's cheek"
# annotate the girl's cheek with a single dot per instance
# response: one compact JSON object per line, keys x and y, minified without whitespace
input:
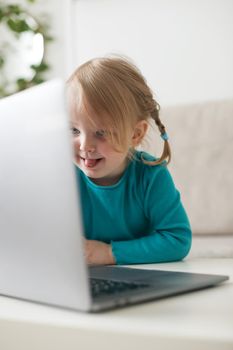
{"x":75,"y":143}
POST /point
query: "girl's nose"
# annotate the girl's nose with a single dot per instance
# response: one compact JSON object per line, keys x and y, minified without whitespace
{"x":87,"y":144}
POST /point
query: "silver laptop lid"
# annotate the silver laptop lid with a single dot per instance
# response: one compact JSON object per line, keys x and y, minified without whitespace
{"x":41,"y":256}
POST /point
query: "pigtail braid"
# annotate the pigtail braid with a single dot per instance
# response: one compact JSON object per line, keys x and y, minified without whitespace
{"x":166,"y":155}
{"x":151,"y":108}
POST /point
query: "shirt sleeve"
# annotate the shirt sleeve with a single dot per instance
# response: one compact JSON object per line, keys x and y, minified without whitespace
{"x":170,"y":235}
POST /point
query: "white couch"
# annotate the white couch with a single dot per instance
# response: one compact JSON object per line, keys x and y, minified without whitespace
{"x":201,"y":138}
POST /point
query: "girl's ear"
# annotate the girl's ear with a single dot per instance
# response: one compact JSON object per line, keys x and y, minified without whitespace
{"x":139,"y":132}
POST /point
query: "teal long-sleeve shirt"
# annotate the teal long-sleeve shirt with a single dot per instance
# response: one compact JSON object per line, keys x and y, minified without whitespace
{"x":141,"y":216}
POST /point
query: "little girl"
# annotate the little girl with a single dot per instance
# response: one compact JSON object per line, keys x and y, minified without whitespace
{"x":132,"y":212}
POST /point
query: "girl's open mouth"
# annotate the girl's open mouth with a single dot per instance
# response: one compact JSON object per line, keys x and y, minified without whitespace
{"x":90,"y":163}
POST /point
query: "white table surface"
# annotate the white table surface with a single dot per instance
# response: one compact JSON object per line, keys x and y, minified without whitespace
{"x":198,"y":320}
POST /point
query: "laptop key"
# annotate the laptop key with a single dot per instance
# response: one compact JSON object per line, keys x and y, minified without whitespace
{"x":103,"y":287}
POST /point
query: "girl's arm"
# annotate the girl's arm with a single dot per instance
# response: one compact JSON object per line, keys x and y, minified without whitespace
{"x":170,"y":236}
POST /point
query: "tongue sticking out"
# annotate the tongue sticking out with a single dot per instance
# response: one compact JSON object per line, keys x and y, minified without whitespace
{"x":90,"y":162}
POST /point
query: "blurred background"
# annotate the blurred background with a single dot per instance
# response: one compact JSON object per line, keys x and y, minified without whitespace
{"x":183,"y":47}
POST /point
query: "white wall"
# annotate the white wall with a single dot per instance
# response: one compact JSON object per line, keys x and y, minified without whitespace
{"x":183,"y":47}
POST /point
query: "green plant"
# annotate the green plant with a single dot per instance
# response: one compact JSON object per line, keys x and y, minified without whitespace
{"x":15,"y":19}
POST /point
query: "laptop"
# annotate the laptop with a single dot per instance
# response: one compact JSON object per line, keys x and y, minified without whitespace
{"x":41,"y":232}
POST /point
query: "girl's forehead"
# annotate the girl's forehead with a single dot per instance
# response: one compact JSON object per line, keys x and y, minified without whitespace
{"x":83,"y":119}
{"x":82,"y":111}
{"x":84,"y":114}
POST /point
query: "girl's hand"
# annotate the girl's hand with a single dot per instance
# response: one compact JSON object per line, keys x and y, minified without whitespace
{"x":98,"y":253}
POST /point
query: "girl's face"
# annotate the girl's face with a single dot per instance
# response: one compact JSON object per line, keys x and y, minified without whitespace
{"x":94,"y":154}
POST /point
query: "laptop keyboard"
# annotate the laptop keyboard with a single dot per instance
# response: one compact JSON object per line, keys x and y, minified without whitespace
{"x":102,"y":287}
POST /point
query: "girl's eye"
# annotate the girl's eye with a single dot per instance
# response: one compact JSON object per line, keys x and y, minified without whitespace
{"x":75,"y":131}
{"x":100,"y":133}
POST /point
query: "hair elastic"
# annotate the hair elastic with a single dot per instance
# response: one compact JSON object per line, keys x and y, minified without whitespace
{"x":164,"y":136}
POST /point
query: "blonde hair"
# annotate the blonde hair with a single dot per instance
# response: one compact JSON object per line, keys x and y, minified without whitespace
{"x":113,"y":89}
